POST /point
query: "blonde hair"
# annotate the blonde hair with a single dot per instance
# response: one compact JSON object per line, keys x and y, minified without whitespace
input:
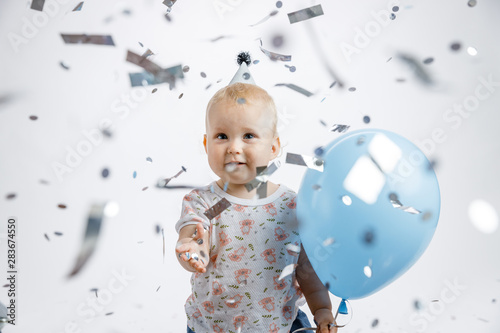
{"x":244,"y":93}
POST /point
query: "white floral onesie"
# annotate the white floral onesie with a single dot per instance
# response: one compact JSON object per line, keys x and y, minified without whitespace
{"x":241,"y":290}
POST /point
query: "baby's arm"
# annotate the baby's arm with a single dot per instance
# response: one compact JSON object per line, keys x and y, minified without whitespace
{"x":316,"y":295}
{"x":192,"y":250}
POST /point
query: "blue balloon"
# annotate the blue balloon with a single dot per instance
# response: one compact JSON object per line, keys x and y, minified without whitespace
{"x":370,"y":213}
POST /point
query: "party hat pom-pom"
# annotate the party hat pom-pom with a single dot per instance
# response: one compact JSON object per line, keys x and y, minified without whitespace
{"x":243,"y":57}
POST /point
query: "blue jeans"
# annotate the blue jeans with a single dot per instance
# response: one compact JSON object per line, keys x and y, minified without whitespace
{"x":300,"y":321}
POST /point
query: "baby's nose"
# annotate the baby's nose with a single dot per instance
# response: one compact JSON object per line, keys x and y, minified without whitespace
{"x":234,"y":147}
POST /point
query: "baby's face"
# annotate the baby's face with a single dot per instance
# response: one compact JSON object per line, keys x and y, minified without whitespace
{"x":242,"y":134}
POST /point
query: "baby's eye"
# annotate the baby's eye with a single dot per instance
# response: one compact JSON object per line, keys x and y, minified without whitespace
{"x":221,"y":136}
{"x":249,"y":136}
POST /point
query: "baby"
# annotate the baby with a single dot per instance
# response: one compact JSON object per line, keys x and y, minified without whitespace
{"x":238,"y":257}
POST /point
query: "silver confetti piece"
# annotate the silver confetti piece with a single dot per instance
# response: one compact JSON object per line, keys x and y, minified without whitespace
{"x":339,"y":128}
{"x":159,"y":75}
{"x":296,"y":88}
{"x":169,"y":4}
{"x":308,"y":161}
{"x":263,"y":174}
{"x":216,"y":209}
{"x":397,"y":204}
{"x":97,"y":213}
{"x":305,"y":14}
{"x":262,"y":190}
{"x":420,"y":72}
{"x":88,"y":39}
{"x":195,"y":256}
{"x":147,"y":53}
{"x":274,"y":12}
{"x":78,"y":7}
{"x":164,"y":182}
{"x":276,"y":56}
{"x":37,"y":5}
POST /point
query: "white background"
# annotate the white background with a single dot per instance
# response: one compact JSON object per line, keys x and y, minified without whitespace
{"x":170,"y":131}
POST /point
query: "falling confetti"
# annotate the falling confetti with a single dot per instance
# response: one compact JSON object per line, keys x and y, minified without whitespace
{"x":216,"y":209}
{"x":203,"y":75}
{"x":374,"y":322}
{"x":397,"y":204}
{"x":339,"y":128}
{"x":472,"y":3}
{"x":33,"y":117}
{"x":164,"y":182}
{"x":169,"y":4}
{"x":145,"y":188}
{"x":368,"y":271}
{"x":308,"y":161}
{"x":10,"y":196}
{"x":483,"y":216}
{"x":180,"y":96}
{"x":154,"y":73}
{"x":62,"y":206}
{"x":105,"y":173}
{"x":296,"y":88}
{"x":88,"y":39}
{"x":347,"y":200}
{"x":366,"y":119}
{"x":78,"y":7}
{"x":352,"y":89}
{"x":417,"y":69}
{"x":149,"y":159}
{"x":276,"y":56}
{"x":262,"y":176}
{"x":57,"y":233}
{"x":279,"y":4}
{"x":154,"y":90}
{"x":47,"y":237}
{"x":271,"y":14}
{"x":97,"y":213}
{"x":291,"y":68}
{"x":305,"y":14}
{"x":428,"y":61}
{"x":63,"y":65}
{"x":134,"y":174}
{"x":472,"y":51}
{"x":37,"y":5}
{"x":185,"y":69}
{"x":455,"y":46}
{"x":395,"y":9}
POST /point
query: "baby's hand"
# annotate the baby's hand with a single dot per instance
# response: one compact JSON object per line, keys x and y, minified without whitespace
{"x":325,"y":320}
{"x":194,"y":250}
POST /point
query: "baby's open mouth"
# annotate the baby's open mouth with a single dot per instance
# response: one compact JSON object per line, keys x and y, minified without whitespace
{"x":231,"y":166}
